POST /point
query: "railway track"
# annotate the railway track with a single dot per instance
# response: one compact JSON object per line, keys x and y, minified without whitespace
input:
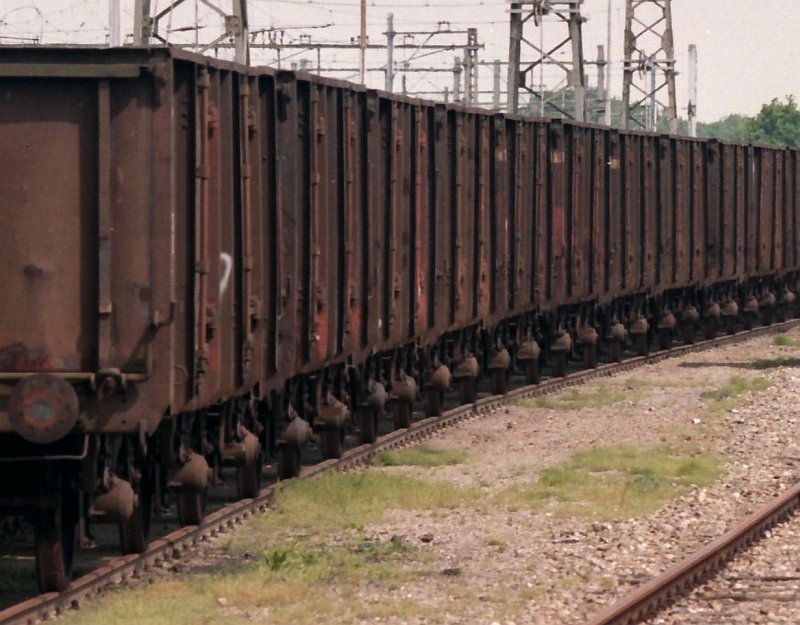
{"x":662,"y":591}
{"x":178,"y":543}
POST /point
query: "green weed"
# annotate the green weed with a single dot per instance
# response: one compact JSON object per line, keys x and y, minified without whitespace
{"x":736,"y":386}
{"x":614,"y":482}
{"x":783,"y":340}
{"x":774,"y":363}
{"x":576,"y":400}
{"x":422,"y":456}
{"x":298,"y":583}
{"x":337,"y":501}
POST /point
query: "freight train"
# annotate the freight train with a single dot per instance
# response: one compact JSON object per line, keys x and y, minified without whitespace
{"x":203,"y":263}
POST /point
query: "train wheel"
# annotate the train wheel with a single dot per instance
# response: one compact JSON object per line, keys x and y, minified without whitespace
{"x":331,"y":444}
{"x":711,"y":329}
{"x":640,"y":340}
{"x":467,"y":391}
{"x":559,"y":364}
{"x":56,"y":534}
{"x":248,"y":479}
{"x":402,"y":415}
{"x":499,"y":382}
{"x":688,"y":333}
{"x":533,"y":374}
{"x":590,"y":356}
{"x":433,"y":403}
{"x":134,"y":533}
{"x":615,"y":350}
{"x":368,"y":424}
{"x":288,"y":462}
{"x":190,"y":508}
{"x":664,"y":339}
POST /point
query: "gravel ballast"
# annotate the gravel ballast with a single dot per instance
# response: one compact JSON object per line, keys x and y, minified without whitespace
{"x":525,"y":567}
{"x":490,"y":562}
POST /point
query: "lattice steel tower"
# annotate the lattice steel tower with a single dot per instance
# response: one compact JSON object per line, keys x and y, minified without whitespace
{"x":232,"y":28}
{"x":649,"y":67}
{"x":563,"y":16}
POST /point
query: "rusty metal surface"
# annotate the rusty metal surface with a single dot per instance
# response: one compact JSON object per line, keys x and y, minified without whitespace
{"x":766,"y":211}
{"x":682,"y":191}
{"x":739,"y":209}
{"x":649,"y":250}
{"x":712,"y":210}
{"x":355,"y":273}
{"x":43,"y":408}
{"x":777,"y":221}
{"x":633,"y":269}
{"x":322,"y":252}
{"x":616,"y":249}
{"x":483,"y":270}
{"x":500,"y":244}
{"x":556,"y":213}
{"x":579,"y":222}
{"x":541,"y":250}
{"x":49,"y":250}
{"x":288,"y":223}
{"x":441,"y":234}
{"x":697,"y":211}
{"x":789,"y":208}
{"x":374,"y":197}
{"x":599,"y":259}
{"x":251,"y":257}
{"x":727,"y":210}
{"x":266,"y":232}
{"x":665,"y":179}
{"x":224,"y":227}
{"x":521,"y":207}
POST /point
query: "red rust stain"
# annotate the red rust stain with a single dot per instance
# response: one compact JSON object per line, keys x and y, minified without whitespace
{"x":145,"y":294}
{"x":17,"y":357}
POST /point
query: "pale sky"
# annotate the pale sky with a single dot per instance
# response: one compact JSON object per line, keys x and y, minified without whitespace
{"x":748,"y":51}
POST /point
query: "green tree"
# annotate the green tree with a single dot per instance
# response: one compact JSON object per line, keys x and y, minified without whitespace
{"x":735,"y":128}
{"x":777,"y":123}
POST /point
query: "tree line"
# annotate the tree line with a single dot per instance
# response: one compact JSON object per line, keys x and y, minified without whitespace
{"x":778,"y":124}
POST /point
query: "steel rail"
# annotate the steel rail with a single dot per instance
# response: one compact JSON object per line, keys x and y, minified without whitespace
{"x":679,"y":579}
{"x":175,"y":544}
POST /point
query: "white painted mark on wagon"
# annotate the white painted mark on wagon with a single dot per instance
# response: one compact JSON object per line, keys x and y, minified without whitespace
{"x":227,"y":266}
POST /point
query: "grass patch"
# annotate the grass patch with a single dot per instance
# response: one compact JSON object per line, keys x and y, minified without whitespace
{"x":352,"y":563}
{"x":168,"y":602}
{"x":633,"y":384}
{"x":422,"y":456}
{"x":293,"y":583}
{"x":576,"y":400}
{"x":736,"y":386}
{"x":337,"y":501}
{"x":774,"y":363}
{"x":783,"y":340}
{"x":722,"y":400}
{"x":615,"y":482}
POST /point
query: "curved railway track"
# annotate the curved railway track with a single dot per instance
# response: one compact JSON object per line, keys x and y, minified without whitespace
{"x":177,"y":543}
{"x":681,"y":578}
